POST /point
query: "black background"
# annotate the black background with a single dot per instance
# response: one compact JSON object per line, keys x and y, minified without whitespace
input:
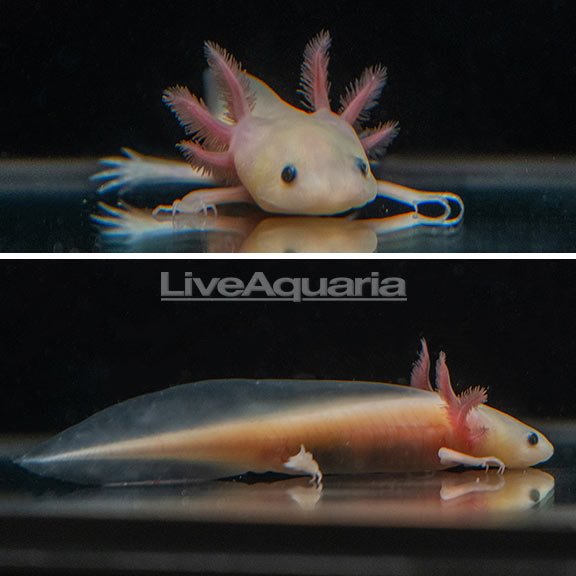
{"x":86,"y":77}
{"x":81,"y":335}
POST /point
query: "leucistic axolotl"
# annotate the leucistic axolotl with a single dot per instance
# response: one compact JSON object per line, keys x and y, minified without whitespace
{"x":248,"y":145}
{"x":219,"y":428}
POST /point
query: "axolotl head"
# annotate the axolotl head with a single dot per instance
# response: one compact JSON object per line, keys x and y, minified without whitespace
{"x":303,"y":163}
{"x":515,"y":443}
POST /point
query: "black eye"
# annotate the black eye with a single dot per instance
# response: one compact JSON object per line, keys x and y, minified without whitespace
{"x":289,"y":173}
{"x":533,"y":438}
{"x":535,"y":495}
{"x":362,"y":166}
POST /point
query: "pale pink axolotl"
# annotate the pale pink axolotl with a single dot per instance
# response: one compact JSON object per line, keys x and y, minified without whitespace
{"x":221,"y":428}
{"x":248,"y":145}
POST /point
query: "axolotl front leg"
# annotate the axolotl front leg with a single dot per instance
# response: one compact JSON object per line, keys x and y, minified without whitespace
{"x":416,"y":198}
{"x":204,"y":200}
{"x":455,"y":458}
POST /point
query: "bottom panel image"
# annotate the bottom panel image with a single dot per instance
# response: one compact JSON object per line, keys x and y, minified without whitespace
{"x":288,"y":417}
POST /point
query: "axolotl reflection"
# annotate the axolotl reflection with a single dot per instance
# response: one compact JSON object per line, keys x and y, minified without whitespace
{"x":430,"y":499}
{"x":132,"y":228}
{"x":219,"y":428}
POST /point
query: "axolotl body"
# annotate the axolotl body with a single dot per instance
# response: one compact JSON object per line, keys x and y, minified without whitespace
{"x":220,"y":428}
{"x":249,"y":145}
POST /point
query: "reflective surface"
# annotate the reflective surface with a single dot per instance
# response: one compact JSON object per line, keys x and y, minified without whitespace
{"x":525,"y":205}
{"x":372,"y":524}
{"x":472,"y":498}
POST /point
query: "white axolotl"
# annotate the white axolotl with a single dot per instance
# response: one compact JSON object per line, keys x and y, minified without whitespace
{"x":249,"y":145}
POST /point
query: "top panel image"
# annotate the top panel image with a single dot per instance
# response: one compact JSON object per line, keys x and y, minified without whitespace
{"x":288,"y":127}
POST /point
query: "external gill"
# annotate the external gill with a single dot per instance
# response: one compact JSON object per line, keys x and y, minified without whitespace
{"x":457,"y":406}
{"x":360,"y":97}
{"x":209,"y":148}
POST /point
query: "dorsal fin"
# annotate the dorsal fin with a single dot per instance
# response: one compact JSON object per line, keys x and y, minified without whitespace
{"x":458,"y":406}
{"x":266,"y":102}
{"x":213,"y":98}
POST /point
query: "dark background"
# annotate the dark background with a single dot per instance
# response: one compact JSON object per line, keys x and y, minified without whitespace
{"x":81,"y":335}
{"x":85,"y":77}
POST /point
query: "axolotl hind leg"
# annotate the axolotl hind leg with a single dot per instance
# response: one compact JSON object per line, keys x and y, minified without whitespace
{"x":137,"y":170}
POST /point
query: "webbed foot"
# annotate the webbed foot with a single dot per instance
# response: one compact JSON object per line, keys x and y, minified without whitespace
{"x":304,"y":462}
{"x":126,"y":220}
{"x":134,"y":169}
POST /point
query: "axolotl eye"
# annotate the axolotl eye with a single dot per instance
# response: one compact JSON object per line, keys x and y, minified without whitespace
{"x":289,"y":173}
{"x":535,"y":495}
{"x":533,"y":438}
{"x":362,"y":166}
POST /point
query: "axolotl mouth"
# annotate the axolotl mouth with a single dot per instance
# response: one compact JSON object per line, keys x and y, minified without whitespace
{"x":316,"y":208}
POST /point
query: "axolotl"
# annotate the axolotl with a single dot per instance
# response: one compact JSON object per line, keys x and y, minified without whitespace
{"x":219,"y":428}
{"x":248,"y":145}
